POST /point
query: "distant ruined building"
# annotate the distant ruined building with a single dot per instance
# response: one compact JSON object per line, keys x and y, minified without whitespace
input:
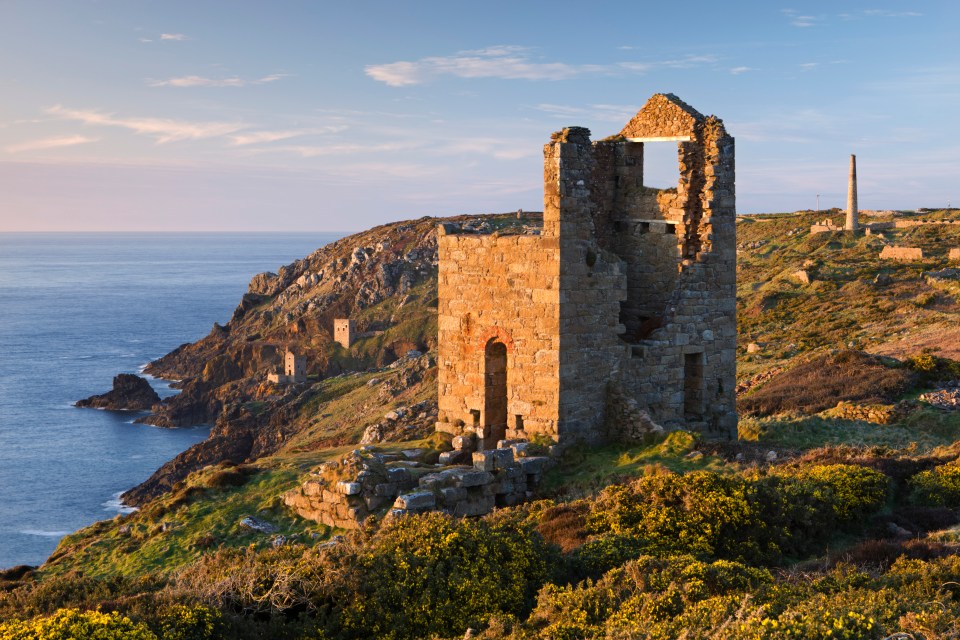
{"x":294,"y":370}
{"x":618,"y":318}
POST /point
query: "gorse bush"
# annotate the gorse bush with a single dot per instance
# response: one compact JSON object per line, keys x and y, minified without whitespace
{"x":938,"y":487}
{"x":71,"y":624}
{"x":931,"y":369}
{"x":436,"y":575}
{"x":414,"y":577}
{"x":682,"y":597}
{"x":750,"y":519}
{"x":667,"y":555}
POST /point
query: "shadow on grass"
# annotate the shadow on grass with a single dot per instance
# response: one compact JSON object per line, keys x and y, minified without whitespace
{"x":920,"y":432}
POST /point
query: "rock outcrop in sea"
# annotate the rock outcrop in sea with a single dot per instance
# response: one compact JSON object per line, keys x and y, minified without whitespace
{"x":129,"y":393}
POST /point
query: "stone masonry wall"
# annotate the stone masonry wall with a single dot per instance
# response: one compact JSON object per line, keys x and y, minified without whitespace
{"x":904,"y":254}
{"x":592,"y":285}
{"x":626,"y":285}
{"x":506,"y":289}
{"x":685,"y":371}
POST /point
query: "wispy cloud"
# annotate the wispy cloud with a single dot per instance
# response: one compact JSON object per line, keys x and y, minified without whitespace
{"x":884,"y":13}
{"x":738,"y":70}
{"x":200,"y":81}
{"x":605,"y":112}
{"x":49,"y":143}
{"x":163,"y":130}
{"x":263,"y":137}
{"x":173,"y":36}
{"x":347,"y":148}
{"x":510,"y":62}
{"x":800,"y":20}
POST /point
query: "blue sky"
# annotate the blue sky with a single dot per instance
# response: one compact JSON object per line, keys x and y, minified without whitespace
{"x":214,"y":116}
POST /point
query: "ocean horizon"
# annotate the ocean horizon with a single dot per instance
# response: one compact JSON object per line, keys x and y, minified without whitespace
{"x":77,"y":309}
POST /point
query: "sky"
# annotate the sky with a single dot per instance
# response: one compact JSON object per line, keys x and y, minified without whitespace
{"x":168,"y":115}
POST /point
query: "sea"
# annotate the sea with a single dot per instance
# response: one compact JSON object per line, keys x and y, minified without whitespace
{"x":75,"y":310}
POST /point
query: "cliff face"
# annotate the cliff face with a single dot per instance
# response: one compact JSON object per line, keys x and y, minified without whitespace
{"x":383,"y":279}
{"x":296,"y":307}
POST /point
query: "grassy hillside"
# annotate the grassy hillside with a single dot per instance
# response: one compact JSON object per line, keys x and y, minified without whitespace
{"x":836,"y":514}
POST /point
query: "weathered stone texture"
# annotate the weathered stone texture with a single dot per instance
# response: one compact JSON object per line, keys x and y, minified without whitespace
{"x":955,"y":254}
{"x":372,"y":483}
{"x":344,"y":332}
{"x":824,"y":226}
{"x":904,"y":254}
{"x":625,"y":283}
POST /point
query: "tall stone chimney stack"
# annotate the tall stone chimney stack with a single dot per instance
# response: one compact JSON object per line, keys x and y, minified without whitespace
{"x":852,"y":222}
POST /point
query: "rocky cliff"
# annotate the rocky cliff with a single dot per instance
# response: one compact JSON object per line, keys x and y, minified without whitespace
{"x":383,"y":279}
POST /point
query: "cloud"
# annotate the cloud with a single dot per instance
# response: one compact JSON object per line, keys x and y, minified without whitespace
{"x":261,"y":137}
{"x":49,"y":143}
{"x":884,"y":13}
{"x":162,"y":129}
{"x":800,"y":20}
{"x":605,"y":112}
{"x":200,"y":81}
{"x":173,"y":36}
{"x":738,"y":70}
{"x":510,"y":62}
{"x":313,"y":151}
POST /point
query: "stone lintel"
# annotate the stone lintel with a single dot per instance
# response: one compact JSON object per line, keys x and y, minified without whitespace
{"x":662,"y":139}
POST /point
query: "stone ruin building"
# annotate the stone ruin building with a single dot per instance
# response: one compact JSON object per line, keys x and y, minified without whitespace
{"x":343,"y":332}
{"x":618,"y":316}
{"x":294,"y":370}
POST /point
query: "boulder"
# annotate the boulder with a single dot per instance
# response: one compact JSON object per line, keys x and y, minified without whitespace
{"x":129,"y":393}
{"x":258,"y":525}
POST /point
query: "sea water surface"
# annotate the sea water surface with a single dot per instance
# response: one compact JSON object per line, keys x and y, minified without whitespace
{"x":75,"y":310}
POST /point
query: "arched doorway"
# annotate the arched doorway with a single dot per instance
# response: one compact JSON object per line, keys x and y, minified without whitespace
{"x":495,"y":392}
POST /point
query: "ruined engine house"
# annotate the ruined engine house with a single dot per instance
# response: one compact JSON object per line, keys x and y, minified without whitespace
{"x":619,"y":315}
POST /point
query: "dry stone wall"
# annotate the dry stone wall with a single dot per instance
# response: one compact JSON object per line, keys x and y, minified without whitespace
{"x":903,"y":254}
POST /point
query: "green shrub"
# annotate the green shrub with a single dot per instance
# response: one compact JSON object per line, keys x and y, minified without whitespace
{"x":938,"y":487}
{"x":930,"y":369}
{"x":436,"y":575}
{"x":847,"y":492}
{"x":190,"y":623}
{"x":71,"y":624}
{"x":754,"y":519}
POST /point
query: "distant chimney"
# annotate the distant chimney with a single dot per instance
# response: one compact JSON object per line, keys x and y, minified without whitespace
{"x":852,"y":222}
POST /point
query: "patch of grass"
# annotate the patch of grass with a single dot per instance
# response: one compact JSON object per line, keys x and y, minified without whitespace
{"x":172,"y":532}
{"x":585,"y":470}
{"x":922,"y":431}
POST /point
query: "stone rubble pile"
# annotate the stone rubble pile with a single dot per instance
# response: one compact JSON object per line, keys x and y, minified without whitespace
{"x":946,"y":398}
{"x":873,"y":413}
{"x":366,"y":482}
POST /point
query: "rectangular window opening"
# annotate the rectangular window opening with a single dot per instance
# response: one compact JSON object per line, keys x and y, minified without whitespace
{"x":693,"y":386}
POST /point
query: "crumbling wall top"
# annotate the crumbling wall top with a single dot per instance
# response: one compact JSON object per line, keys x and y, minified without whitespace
{"x":578,"y":135}
{"x":663,"y":116}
